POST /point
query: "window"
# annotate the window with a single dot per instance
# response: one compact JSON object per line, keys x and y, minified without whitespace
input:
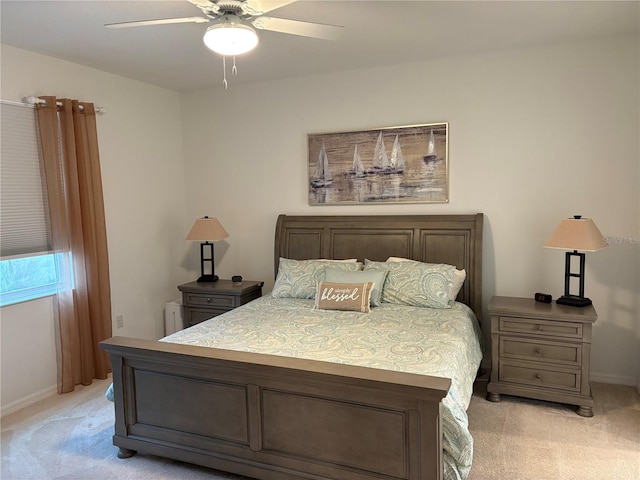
{"x":31,"y":277}
{"x":28,"y":267}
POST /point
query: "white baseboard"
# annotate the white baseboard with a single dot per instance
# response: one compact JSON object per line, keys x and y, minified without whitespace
{"x":615,"y":379}
{"x":28,"y":400}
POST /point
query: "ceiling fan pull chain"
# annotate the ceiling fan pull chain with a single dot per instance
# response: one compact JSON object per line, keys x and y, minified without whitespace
{"x":224,"y":72}
{"x":234,"y":70}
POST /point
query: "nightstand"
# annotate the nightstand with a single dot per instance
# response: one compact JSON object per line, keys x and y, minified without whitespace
{"x":541,"y":350}
{"x":202,"y":301}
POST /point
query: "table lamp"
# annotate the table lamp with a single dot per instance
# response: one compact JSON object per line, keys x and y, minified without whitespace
{"x":207,"y":230}
{"x":575,"y":234}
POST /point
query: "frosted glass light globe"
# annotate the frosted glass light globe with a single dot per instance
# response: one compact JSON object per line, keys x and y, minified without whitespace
{"x":230,"y":38}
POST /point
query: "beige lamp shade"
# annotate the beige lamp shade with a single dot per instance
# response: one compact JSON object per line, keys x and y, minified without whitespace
{"x":207,"y":229}
{"x":576,"y":234}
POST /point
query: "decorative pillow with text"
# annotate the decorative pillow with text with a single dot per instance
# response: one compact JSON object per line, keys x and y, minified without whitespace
{"x":354,"y":297}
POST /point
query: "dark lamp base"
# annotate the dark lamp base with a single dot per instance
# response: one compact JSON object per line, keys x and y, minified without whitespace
{"x":574,"y":301}
{"x":208,"y":279}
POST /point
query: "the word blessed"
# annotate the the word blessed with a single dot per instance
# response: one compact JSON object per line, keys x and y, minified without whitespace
{"x":340,"y":294}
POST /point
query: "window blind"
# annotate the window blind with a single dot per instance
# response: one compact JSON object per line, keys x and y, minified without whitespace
{"x":24,"y":213}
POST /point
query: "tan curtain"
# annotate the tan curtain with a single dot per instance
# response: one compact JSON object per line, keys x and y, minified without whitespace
{"x":69,"y":142}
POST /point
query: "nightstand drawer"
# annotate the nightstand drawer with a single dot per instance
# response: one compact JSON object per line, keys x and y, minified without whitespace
{"x":558,"y":379}
{"x":199,"y":299}
{"x":204,"y":300}
{"x":549,"y":352}
{"x":544,"y":328}
{"x":195,"y":315}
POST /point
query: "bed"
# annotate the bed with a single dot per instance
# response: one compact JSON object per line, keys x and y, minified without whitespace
{"x":270,"y":413}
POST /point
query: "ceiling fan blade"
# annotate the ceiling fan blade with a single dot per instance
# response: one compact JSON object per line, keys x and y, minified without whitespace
{"x":297,"y":27}
{"x":164,"y":21}
{"x":264,"y":6}
{"x":205,"y":5}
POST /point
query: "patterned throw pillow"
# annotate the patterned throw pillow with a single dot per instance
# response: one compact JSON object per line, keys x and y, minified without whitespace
{"x":354,"y":297}
{"x":299,"y":278}
{"x":415,"y":283}
{"x":458,"y":279}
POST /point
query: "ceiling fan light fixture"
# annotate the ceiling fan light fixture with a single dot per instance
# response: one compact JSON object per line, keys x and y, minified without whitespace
{"x":229,"y":38}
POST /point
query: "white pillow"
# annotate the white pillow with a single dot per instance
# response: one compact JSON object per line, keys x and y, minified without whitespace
{"x":377,"y":277}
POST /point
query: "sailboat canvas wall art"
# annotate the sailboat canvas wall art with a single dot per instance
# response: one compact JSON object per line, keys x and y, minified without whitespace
{"x":385,"y":165}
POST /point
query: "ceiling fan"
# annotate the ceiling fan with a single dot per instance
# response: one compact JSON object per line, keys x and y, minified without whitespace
{"x":232,"y":34}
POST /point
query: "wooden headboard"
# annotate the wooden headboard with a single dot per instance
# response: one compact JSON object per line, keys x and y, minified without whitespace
{"x":451,"y":239}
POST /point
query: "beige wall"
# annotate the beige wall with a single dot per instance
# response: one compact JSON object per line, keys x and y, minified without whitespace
{"x":143,"y":175}
{"x":536,"y":135}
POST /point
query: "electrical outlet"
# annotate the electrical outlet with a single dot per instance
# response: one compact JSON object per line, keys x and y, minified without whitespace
{"x":119,"y":321}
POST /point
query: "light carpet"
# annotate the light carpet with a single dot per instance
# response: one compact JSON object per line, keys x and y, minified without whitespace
{"x":69,"y":437}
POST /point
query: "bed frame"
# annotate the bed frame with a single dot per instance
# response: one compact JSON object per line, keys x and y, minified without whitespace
{"x":271,"y":417}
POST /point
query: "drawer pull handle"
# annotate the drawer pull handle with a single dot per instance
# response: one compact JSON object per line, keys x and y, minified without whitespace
{"x":208,"y":299}
{"x":539,"y":351}
{"x":538,"y":376}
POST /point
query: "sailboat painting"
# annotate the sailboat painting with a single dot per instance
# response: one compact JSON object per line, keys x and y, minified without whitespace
{"x":358,"y":167}
{"x":323,"y":177}
{"x":396,"y":162}
{"x":380,"y":159}
{"x":431,"y":156}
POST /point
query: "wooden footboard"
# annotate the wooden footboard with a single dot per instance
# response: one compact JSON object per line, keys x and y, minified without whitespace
{"x":272,"y":417}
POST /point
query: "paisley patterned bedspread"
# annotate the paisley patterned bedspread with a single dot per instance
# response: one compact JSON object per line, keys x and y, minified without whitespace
{"x":438,"y":342}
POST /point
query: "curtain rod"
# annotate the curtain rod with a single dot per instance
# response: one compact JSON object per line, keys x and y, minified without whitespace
{"x":33,"y":100}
